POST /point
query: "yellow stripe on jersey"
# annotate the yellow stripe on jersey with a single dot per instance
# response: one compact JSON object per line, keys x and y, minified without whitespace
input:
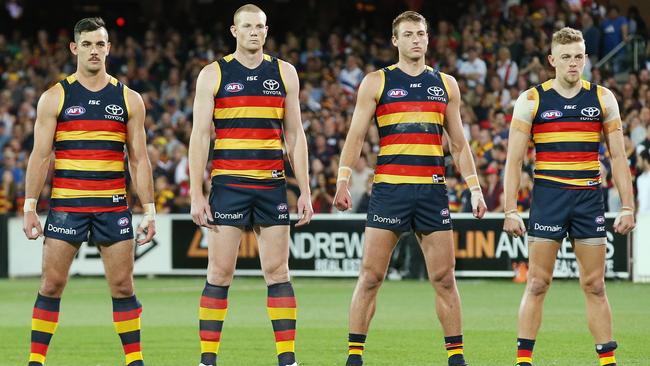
{"x":282,"y":313}
{"x":411,"y":149}
{"x":571,"y":181}
{"x":216,"y":87}
{"x":403,"y":179}
{"x":249,"y":112}
{"x":267,"y":144}
{"x":89,"y":165}
{"x":127,"y":325}
{"x":90,"y":135}
{"x":443,"y":76}
{"x":212,"y":314}
{"x":546,"y":137}
{"x":44,"y":326}
{"x":255,"y":174}
{"x":380,"y":91}
{"x":125,"y":91}
{"x":77,"y":193}
{"x":60,"y":107}
{"x":410,"y":117}
{"x":567,"y":165}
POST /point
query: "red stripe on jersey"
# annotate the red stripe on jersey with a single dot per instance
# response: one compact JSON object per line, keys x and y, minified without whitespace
{"x":210,"y":335}
{"x":120,"y":316}
{"x":411,"y":138}
{"x":91,"y":125}
{"x":248,"y":164}
{"x":398,"y":107}
{"x":89,"y":185}
{"x":90,"y":209}
{"x":50,"y":316}
{"x":249,"y":133}
{"x":212,"y":303}
{"x":281,"y":302}
{"x":249,"y":101}
{"x":566,"y":156}
{"x":90,"y":155}
{"x":285,"y":335}
{"x":567,"y":127}
{"x":524,"y":353}
{"x":410,"y":170}
{"x":131,"y":347}
{"x":39,"y":348}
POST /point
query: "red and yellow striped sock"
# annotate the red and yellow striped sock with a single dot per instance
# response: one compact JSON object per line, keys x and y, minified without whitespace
{"x":525,"y":351}
{"x":281,"y":305}
{"x":454,"y":346}
{"x":356,"y":344}
{"x":606,"y":353}
{"x":212,"y":313}
{"x":45,"y":318}
{"x":126,"y":317}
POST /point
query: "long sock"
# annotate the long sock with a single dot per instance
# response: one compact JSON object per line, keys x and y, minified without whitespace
{"x":281,"y":305}
{"x":356,"y":344}
{"x":606,"y":353}
{"x":212,"y":313}
{"x":454,"y":346}
{"x":45,"y":318}
{"x":525,"y":351}
{"x":126,"y":317}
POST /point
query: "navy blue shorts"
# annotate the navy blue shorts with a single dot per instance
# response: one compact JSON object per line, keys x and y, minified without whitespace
{"x":402,"y":207}
{"x":102,"y":228}
{"x":234,"y":205}
{"x":556,"y":212}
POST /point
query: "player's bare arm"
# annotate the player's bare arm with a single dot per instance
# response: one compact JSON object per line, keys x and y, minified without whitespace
{"x":296,"y":142}
{"x":459,"y":147}
{"x":367,"y":96}
{"x":206,"y":86}
{"x":139,"y":164}
{"x":518,"y":138}
{"x":39,"y":161}
{"x":613,"y":132}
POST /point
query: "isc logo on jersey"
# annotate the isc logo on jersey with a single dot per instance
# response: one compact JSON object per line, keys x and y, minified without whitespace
{"x":397,"y":93}
{"x":75,"y":111}
{"x":552,"y":114}
{"x":234,"y":87}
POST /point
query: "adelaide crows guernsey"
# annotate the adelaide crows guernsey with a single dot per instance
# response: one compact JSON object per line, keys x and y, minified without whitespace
{"x":248,"y":115}
{"x":89,"y":148}
{"x":410,"y":116}
{"x":566,"y":133}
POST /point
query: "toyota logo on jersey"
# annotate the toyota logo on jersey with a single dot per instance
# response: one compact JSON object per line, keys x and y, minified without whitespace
{"x":114,"y":109}
{"x":270,"y":84}
{"x":590,"y":112}
{"x":436,"y":91}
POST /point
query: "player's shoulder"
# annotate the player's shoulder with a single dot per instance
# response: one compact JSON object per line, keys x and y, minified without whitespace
{"x":284,"y":65}
{"x":52,"y":98}
{"x":211,"y":69}
{"x":529,"y":95}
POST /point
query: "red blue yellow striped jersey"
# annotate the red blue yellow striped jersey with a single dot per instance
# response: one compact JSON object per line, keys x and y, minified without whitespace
{"x":566,"y":133}
{"x":89,"y":148}
{"x":410,"y":116}
{"x":248,"y":115}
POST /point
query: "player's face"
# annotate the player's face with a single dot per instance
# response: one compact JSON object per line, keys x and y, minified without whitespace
{"x":411,"y":40}
{"x":250,"y":30}
{"x":91,"y":49}
{"x":568,"y":61}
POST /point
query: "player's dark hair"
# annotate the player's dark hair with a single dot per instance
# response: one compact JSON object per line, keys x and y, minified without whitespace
{"x":87,"y":25}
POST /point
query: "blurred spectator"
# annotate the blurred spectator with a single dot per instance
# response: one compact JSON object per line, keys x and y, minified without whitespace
{"x":643,"y":184}
{"x":474,"y":69}
{"x":614,"y":29}
{"x":507,"y":68}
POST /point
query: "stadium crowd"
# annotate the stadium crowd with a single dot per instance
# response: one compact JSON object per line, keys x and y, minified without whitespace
{"x":495,"y":51}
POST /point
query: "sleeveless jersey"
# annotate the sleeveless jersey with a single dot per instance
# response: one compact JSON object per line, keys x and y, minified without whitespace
{"x":566,"y":133}
{"x":410,"y":116}
{"x":248,"y":115}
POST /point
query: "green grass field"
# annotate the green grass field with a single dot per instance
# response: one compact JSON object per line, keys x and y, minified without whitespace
{"x":405,"y":330}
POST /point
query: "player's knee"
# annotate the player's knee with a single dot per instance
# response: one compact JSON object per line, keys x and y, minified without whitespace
{"x":443,"y":279}
{"x":52,"y":286}
{"x":594,"y":287}
{"x":122,"y":287}
{"x":220,"y":276}
{"x":538,"y":285}
{"x":370,"y":280}
{"x":277,"y":274}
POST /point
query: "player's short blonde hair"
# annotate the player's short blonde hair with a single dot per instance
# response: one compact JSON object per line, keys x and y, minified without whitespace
{"x":248,"y":8}
{"x":408,"y":16}
{"x":566,"y":35}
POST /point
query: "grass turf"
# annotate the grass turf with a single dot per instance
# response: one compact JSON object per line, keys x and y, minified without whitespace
{"x":405,"y":330}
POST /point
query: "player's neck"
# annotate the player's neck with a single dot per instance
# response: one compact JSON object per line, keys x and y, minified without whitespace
{"x":92,"y":81}
{"x":249,"y":59}
{"x":411,"y":67}
{"x":565,"y":89}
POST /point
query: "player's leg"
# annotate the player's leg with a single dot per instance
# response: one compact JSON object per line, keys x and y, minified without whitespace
{"x":590,"y":254}
{"x":281,"y":301}
{"x":57,"y":258}
{"x":438,"y":250}
{"x":378,"y":246}
{"x":541,"y":261}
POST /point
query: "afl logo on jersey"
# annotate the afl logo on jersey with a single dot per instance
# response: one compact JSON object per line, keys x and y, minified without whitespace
{"x":75,"y":111}
{"x":234,"y":87}
{"x":590,"y":112}
{"x":270,"y":84}
{"x":114,"y":109}
{"x":444,"y":212}
{"x":397,"y":93}
{"x":123,"y":221}
{"x":552,"y":114}
{"x":600,"y":220}
{"x":436,"y":91}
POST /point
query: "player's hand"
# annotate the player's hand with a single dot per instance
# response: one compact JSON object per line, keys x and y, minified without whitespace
{"x":201,"y":213}
{"x":342,"y":198}
{"x":514,"y":224}
{"x":148,"y":229}
{"x":31,"y":222}
{"x":624,"y":222}
{"x":478,"y":203}
{"x":305,"y":211}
